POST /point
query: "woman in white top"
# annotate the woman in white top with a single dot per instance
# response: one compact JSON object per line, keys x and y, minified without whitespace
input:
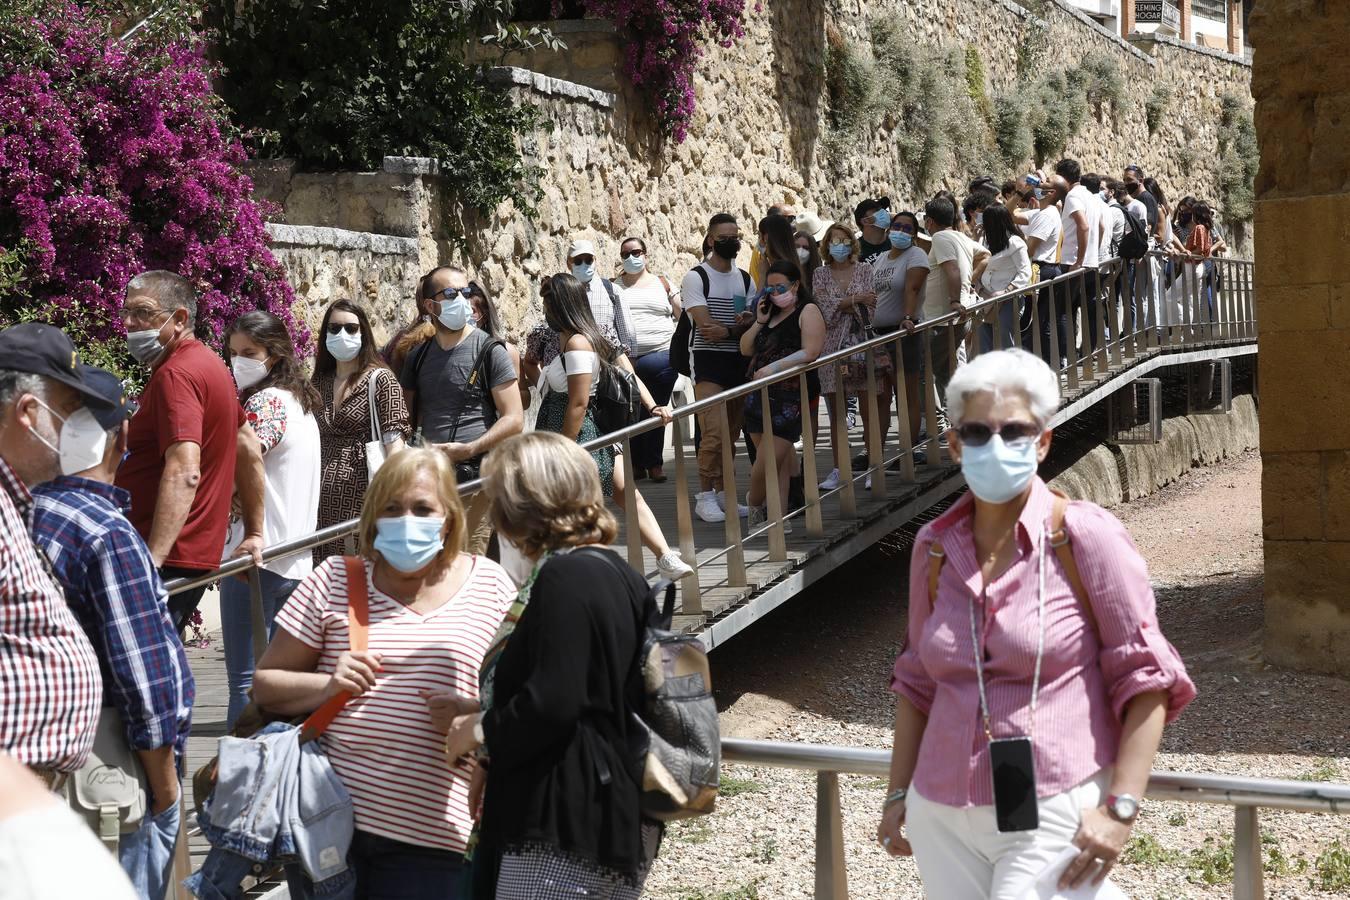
{"x":568,"y":384}
{"x":1008,"y":269}
{"x":280,"y":404}
{"x":653,"y":309}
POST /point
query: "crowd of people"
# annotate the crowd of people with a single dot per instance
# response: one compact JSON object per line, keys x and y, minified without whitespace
{"x":488,"y":685}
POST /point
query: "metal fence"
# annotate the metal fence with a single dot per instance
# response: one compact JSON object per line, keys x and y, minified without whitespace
{"x":1247,"y":796}
{"x":1090,"y":324}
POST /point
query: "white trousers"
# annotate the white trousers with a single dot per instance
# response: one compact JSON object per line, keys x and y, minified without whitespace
{"x":963,"y":856}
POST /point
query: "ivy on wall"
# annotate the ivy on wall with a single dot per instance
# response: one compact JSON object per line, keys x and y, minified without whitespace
{"x":1239,"y":158}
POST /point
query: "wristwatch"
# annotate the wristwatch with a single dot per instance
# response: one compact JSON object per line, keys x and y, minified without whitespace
{"x":896,"y":796}
{"x":1122,"y":807}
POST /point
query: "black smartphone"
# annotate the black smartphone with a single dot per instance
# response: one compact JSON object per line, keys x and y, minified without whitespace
{"x":1014,"y":770}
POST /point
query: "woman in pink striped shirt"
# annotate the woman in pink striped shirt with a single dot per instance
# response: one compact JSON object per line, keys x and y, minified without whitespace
{"x":1035,"y":683}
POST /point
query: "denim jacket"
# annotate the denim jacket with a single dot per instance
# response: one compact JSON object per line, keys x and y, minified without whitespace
{"x":275,"y":801}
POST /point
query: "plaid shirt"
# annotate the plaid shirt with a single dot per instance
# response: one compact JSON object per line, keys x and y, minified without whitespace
{"x":50,"y":693}
{"x":117,"y":595}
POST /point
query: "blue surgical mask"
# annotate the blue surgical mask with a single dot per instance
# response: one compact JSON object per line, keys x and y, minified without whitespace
{"x":454,"y":314}
{"x":882,"y":218}
{"x":900,"y":240}
{"x":840,"y":252}
{"x":584,"y":272}
{"x":998,"y":472}
{"x":409,"y":543}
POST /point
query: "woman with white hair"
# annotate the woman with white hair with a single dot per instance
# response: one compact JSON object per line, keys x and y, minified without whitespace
{"x":1034,"y":685}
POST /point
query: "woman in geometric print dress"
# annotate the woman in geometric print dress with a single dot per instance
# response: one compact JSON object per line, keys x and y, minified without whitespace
{"x":346,"y":360}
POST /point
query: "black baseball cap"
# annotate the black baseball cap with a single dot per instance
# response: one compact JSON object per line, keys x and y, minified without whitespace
{"x":42,"y":349}
{"x":109,"y":387}
{"x":869,"y":206}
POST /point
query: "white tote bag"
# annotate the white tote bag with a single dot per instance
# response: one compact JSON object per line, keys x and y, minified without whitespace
{"x":375,"y":452}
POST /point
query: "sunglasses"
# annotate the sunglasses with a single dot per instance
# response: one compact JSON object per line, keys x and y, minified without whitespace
{"x":776,"y":289}
{"x":977,"y":434}
{"x":349,"y":327}
{"x":906,"y":228}
{"x":628,"y":253}
{"x":450,"y":293}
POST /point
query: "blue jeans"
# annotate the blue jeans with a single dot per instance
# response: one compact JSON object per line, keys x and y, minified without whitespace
{"x":387,"y":869}
{"x":146,"y":854}
{"x":656,"y":373}
{"x":236,"y":626}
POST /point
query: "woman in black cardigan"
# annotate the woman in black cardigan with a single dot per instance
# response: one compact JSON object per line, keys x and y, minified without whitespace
{"x":559,"y":775}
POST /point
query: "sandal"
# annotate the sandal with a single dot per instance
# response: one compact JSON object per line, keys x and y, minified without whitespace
{"x":656,"y":474}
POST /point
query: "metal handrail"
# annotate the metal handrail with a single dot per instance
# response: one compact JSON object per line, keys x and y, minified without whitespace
{"x":975,"y":313}
{"x":1245,"y":795}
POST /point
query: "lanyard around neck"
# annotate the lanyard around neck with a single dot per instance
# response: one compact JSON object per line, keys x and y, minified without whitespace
{"x":977,"y":633}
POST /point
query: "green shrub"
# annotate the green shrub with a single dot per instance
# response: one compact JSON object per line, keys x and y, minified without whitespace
{"x":1239,"y":159}
{"x":339,"y":84}
{"x":1012,"y":131}
{"x":1333,"y":869}
{"x":1155,"y":107}
{"x":975,"y":82}
{"x":1101,"y":81}
{"x":1034,"y":40}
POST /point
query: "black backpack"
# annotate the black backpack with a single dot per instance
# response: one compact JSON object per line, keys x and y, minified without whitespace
{"x":1134,"y":242}
{"x":682,"y":342}
{"x":618,"y":400}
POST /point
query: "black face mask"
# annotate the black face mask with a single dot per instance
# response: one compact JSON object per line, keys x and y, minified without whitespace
{"x":727,"y":248}
{"x":1184,"y":219}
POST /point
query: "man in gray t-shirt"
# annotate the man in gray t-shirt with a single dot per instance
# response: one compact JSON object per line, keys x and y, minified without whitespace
{"x":461,"y":388}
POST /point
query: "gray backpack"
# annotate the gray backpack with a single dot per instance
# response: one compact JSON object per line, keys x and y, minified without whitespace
{"x":680,"y":748}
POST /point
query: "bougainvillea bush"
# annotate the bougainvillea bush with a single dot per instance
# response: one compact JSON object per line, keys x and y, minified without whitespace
{"x":663,"y":44}
{"x":116,"y":157}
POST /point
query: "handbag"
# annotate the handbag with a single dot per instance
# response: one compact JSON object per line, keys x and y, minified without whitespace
{"x":254,"y":717}
{"x":375,"y":453}
{"x":110,"y":791}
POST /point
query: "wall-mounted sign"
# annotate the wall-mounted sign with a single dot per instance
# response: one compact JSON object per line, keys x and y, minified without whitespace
{"x":1157,"y":12}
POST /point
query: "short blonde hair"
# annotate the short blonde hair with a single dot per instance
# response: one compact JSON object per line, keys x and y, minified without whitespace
{"x":545,"y":494}
{"x":853,"y":247}
{"x":393,"y":479}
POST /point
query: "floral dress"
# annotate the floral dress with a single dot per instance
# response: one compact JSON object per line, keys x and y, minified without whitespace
{"x":839,"y":323}
{"x":343,"y":434}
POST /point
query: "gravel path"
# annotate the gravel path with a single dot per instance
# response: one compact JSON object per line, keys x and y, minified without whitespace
{"x":816,"y":671}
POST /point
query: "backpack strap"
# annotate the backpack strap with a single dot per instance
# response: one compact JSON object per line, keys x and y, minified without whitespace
{"x":418,"y":358}
{"x":745,"y":277}
{"x":358,"y":628}
{"x":703,"y":277}
{"x":1060,"y":543}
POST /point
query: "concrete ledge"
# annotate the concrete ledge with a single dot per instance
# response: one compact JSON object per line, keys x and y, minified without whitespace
{"x":1110,"y":475}
{"x":411,"y":165}
{"x":1141,"y":37}
{"x":341,"y":239}
{"x":514,"y":76}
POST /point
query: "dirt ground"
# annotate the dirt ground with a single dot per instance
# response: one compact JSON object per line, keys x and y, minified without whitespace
{"x":817,"y":670}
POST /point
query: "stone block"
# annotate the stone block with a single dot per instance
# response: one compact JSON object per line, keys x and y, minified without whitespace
{"x":1303,"y":372}
{"x":1339,"y":304}
{"x":1281,"y":307}
{"x":1307,"y":599}
{"x":1291,"y":496}
{"x":1301,"y":240}
{"x":1335,"y":493}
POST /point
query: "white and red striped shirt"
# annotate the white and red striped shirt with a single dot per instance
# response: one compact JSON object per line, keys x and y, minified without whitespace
{"x":50,"y":687}
{"x":382,"y":745}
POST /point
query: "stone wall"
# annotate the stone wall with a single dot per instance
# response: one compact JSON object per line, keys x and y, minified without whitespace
{"x":758,"y":137}
{"x":1302,"y":86}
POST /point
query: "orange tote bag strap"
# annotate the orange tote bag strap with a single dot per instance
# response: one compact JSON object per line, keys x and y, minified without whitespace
{"x":358,"y":628}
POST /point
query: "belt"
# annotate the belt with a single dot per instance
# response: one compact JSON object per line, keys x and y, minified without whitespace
{"x":54,"y":779}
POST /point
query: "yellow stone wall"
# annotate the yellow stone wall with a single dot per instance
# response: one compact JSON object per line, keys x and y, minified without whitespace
{"x":1302,"y":87}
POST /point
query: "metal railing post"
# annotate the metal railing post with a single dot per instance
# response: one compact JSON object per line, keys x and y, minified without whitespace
{"x":255,"y":606}
{"x":1248,"y":877}
{"x":831,"y":872}
{"x":691,"y":598}
{"x":815,"y":523}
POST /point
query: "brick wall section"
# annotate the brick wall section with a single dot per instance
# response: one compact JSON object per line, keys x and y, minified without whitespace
{"x":1302,"y":86}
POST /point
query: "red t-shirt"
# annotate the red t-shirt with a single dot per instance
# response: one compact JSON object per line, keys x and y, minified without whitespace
{"x":191,"y":397}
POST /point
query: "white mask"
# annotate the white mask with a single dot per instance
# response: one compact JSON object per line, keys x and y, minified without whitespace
{"x":634,"y":264}
{"x":517,"y":564}
{"x":248,"y":372}
{"x":343,"y":346}
{"x":81,"y":442}
{"x":803,"y":255}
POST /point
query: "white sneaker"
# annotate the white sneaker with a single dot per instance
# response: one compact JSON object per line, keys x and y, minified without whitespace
{"x":722,"y":503}
{"x":867,"y":485}
{"x":832,"y":482}
{"x":755,"y":517}
{"x":671,"y":566}
{"x":708,"y":509}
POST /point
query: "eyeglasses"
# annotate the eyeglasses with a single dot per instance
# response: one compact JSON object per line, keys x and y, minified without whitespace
{"x":450,"y":293}
{"x":776,"y":289}
{"x":627,"y":253}
{"x":339,"y":327}
{"x":977,"y":434}
{"x":143,"y":313}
